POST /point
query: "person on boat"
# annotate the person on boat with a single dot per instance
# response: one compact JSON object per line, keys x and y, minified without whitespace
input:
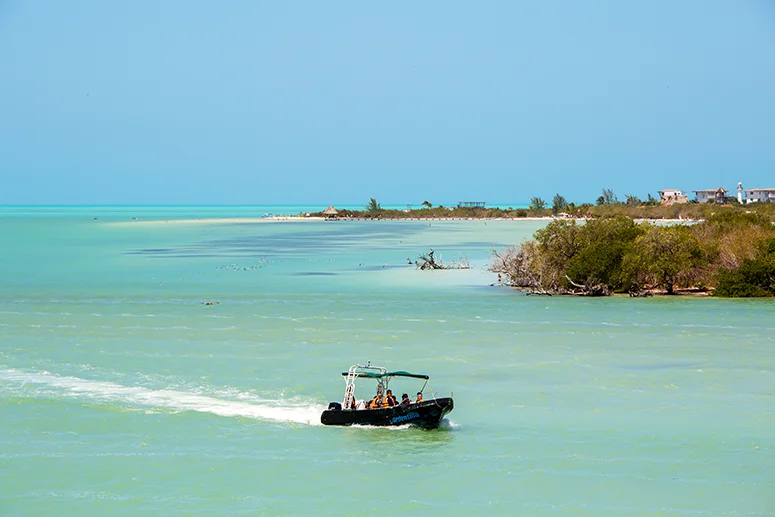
{"x":419,"y":397}
{"x":405,"y":400}
{"x":353,"y":402}
{"x":390,"y":400}
{"x":376,"y":402}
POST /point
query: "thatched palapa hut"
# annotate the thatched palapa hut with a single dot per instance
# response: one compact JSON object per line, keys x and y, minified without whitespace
{"x":331,"y":212}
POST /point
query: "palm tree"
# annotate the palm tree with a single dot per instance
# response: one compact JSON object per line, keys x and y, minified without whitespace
{"x":536,"y":203}
{"x":558,"y":204}
{"x":633,"y":200}
{"x":373,"y":207}
{"x":608,"y":198}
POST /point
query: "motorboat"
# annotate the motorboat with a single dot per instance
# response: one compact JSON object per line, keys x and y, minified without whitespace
{"x":426,"y":413}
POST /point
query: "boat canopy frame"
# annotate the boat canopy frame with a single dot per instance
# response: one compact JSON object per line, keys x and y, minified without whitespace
{"x":377,"y":373}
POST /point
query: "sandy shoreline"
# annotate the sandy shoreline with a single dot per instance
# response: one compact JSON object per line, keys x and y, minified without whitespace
{"x":219,"y":220}
{"x":274,"y":219}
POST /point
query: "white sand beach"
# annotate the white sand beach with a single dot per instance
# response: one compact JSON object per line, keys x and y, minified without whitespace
{"x":275,"y":219}
{"x":216,"y":220}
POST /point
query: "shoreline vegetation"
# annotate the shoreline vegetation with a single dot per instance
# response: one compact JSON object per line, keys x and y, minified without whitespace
{"x":729,"y":254}
{"x":607,"y":205}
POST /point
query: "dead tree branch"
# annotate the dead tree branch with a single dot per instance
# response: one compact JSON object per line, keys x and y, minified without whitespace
{"x":589,"y":289}
{"x":429,"y":261}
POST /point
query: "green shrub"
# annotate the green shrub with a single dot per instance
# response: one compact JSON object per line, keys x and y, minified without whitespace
{"x":754,"y":278}
{"x":604,"y":243}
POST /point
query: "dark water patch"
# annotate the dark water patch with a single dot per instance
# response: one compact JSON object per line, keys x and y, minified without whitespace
{"x":151,"y":251}
{"x":166,"y":252}
{"x":664,"y":366}
{"x":321,"y":240}
{"x":477,"y":244}
{"x":195,"y":255}
{"x":372,"y":267}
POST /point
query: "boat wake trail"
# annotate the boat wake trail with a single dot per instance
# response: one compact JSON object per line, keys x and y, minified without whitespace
{"x":44,"y":384}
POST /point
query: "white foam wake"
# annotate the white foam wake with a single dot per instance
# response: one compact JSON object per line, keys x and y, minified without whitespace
{"x":50,"y":385}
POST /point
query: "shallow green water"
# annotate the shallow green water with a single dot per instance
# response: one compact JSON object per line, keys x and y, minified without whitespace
{"x":122,"y":394}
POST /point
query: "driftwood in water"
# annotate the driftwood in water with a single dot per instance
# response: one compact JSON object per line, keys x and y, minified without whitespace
{"x":636,"y":292}
{"x":589,"y":289}
{"x":535,"y":292}
{"x":429,"y":261}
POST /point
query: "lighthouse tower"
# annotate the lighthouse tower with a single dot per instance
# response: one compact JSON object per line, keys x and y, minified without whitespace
{"x":740,"y":193}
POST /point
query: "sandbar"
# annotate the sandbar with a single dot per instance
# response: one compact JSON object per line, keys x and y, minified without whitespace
{"x":296,"y":218}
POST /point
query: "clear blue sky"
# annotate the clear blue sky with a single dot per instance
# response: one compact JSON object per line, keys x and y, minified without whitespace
{"x":337,"y":102}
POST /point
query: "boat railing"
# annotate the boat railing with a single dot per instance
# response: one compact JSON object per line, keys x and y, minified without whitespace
{"x":349,"y":388}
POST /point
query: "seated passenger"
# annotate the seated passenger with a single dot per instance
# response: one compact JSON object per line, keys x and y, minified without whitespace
{"x":405,"y":401}
{"x":390,"y":400}
{"x":419,"y":397}
{"x":376,"y":402}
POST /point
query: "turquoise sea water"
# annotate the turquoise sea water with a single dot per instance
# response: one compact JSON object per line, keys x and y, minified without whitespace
{"x":121,"y":393}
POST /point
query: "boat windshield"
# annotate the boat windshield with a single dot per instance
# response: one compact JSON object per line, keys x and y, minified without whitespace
{"x":382,"y":375}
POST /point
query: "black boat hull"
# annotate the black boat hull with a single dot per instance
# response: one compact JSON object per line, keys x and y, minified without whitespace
{"x":426,"y":414}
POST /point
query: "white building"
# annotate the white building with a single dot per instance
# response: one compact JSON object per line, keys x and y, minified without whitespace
{"x":760,"y":195}
{"x":670,"y":196}
{"x":718,"y":195}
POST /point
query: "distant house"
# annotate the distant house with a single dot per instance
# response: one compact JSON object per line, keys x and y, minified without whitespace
{"x":718,"y":195}
{"x":671,"y":196}
{"x":760,"y":195}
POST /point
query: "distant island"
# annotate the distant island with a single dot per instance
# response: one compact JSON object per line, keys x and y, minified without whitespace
{"x":607,"y":205}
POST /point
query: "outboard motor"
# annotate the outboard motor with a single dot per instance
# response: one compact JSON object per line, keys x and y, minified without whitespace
{"x":336,"y":406}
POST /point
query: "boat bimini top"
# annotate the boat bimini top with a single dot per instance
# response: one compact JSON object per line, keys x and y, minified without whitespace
{"x":381,"y":375}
